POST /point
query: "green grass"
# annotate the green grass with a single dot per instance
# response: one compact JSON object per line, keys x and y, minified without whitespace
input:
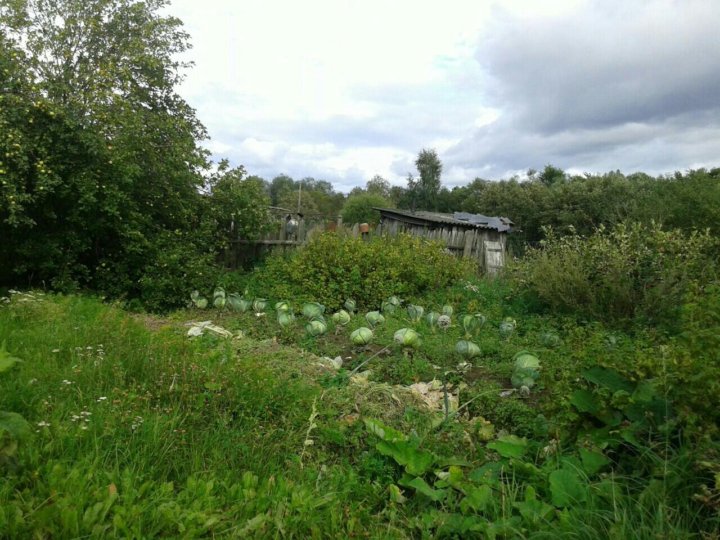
{"x":141,"y":432}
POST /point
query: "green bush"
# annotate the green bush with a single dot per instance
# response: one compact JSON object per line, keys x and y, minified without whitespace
{"x":177,"y":266}
{"x":695,"y":357}
{"x":331,"y":268}
{"x":613,"y":275}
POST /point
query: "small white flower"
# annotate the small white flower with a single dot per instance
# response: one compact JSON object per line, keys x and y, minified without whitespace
{"x":101,"y":398}
{"x":74,"y":418}
{"x":83,"y":427}
{"x":66,"y":382}
{"x":43,"y":424}
{"x":56,"y":350}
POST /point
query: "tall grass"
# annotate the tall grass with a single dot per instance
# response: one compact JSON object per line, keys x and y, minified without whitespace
{"x":140,"y":432}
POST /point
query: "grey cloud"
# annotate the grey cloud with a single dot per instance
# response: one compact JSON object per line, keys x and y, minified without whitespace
{"x":654,"y":148}
{"x":613,"y":62}
{"x":615,"y":85}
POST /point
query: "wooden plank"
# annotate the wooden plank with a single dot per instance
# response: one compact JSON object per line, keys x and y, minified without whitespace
{"x":301,"y":230}
{"x":494,"y":257}
{"x":469,"y":238}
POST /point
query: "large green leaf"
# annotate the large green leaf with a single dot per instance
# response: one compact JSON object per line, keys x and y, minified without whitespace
{"x":415,"y":461}
{"x":488,"y":474}
{"x":609,"y":378}
{"x":7,"y":360}
{"x":477,"y":499}
{"x":386,"y":433}
{"x":14,"y":424}
{"x":567,"y":488}
{"x":533,"y":511}
{"x":509,"y":446}
{"x":421,"y":486}
{"x":584,"y":401}
{"x":592,"y":461}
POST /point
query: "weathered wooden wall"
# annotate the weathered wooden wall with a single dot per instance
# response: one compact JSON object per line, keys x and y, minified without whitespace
{"x":243,"y":251}
{"x":461,"y":241}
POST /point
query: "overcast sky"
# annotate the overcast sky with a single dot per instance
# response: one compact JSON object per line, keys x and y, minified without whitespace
{"x":342,"y":90}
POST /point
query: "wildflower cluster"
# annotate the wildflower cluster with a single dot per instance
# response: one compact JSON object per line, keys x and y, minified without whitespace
{"x":82,"y":419}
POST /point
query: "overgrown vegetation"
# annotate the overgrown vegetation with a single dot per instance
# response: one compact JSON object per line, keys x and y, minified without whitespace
{"x":332,"y":268}
{"x":146,"y":432}
{"x":630,"y":271}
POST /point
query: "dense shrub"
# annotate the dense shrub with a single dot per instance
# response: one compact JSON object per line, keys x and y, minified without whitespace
{"x":331,"y":268}
{"x":696,"y":356}
{"x":177,"y":266}
{"x":628,"y":271}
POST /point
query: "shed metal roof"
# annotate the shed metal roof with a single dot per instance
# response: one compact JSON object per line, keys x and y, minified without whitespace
{"x":462,"y":219}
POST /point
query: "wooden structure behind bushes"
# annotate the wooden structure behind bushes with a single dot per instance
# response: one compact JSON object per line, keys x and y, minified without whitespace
{"x":466,"y":235}
{"x":281,"y":237}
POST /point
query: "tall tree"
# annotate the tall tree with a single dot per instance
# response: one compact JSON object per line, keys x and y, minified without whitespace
{"x":238,"y":204}
{"x":109,"y":70}
{"x":550,"y":175}
{"x":428,"y":185}
{"x":377,"y":185}
{"x":280,"y":186}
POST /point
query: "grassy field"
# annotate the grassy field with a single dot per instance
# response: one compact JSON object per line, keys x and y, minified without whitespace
{"x":138,"y":431}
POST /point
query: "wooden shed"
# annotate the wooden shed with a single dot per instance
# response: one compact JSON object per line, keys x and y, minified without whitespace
{"x":465,"y":235}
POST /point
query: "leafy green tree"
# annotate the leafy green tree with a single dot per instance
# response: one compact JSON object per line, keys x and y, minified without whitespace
{"x":239,"y":204}
{"x":361,"y":208}
{"x":326,"y":200}
{"x":550,"y":175}
{"x":62,"y":208}
{"x":428,"y":185}
{"x":280,"y":186}
{"x":105,"y":152}
{"x":397,"y":195}
{"x":307,"y":205}
{"x":378,"y":186}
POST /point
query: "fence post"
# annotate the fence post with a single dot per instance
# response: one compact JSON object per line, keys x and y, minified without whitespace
{"x":301,"y":231}
{"x":283,"y":231}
